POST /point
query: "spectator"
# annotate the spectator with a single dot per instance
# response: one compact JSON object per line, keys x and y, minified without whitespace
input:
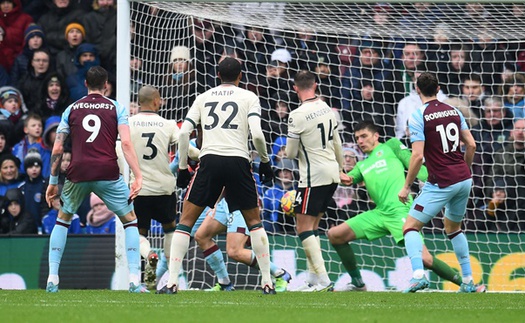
{"x":9,"y":176}
{"x":54,"y":96}
{"x":407,"y":106}
{"x":5,"y":80}
{"x":278,"y":150}
{"x":256,"y":46}
{"x":14,"y":219}
{"x":65,"y":59}
{"x":438,"y":50}
{"x":14,"y":22}
{"x":208,"y":49}
{"x":33,"y":185}
{"x":451,"y":71}
{"x":61,"y":13}
{"x":100,"y":220}
{"x":328,"y":83}
{"x":12,"y":114}
{"x":507,"y":188}
{"x":277,"y":78}
{"x":33,"y":140}
{"x":275,"y":119}
{"x":274,"y":219}
{"x":513,"y":93}
{"x":31,"y":83}
{"x":463,"y":106}
{"x":101,"y":31}
{"x":179,"y":88}
{"x":4,"y":148}
{"x":34,"y":39}
{"x":50,"y":128}
{"x":490,"y":135}
{"x":86,"y":57}
{"x":473,"y":91}
{"x":488,"y":58}
{"x":412,"y":59}
{"x":369,"y":68}
{"x":49,"y":220}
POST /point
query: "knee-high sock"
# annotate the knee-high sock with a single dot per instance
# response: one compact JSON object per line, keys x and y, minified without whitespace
{"x":262,"y":251}
{"x":179,"y":247}
{"x":215,"y":259}
{"x":132,"y":251}
{"x":414,"y":247}
{"x":460,"y":244}
{"x":274,"y":270}
{"x":145,"y":247}
{"x":444,"y":271}
{"x":57,"y":243}
{"x":346,"y":253}
{"x":168,"y":236}
{"x":313,"y":251}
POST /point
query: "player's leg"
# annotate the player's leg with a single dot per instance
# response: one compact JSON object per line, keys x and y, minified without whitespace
{"x":162,"y":266}
{"x":362,"y":226}
{"x":115,"y":195}
{"x":71,"y":196}
{"x":142,"y":208}
{"x":454,"y":213}
{"x":440,"y":268}
{"x":209,"y":228}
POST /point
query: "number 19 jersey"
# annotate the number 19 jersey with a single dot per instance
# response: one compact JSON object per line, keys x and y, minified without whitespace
{"x":152,"y":135}
{"x":223,"y":113}
{"x":314,"y":125}
{"x":439,"y":125}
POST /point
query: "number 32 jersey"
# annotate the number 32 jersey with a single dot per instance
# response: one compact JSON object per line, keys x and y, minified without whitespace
{"x":223,"y":113}
{"x":439,"y":126}
{"x":92,"y":124}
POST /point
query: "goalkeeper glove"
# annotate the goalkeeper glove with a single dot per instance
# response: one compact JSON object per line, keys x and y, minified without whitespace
{"x":266,"y":173}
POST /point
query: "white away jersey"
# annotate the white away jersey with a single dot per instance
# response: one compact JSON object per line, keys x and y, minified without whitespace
{"x":152,"y":135}
{"x":315,"y":125}
{"x":223,"y":114}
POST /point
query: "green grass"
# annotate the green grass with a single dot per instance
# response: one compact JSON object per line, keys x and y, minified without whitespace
{"x":250,"y":306}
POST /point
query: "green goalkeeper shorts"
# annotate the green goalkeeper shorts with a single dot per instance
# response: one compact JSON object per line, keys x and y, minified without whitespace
{"x":375,"y":224}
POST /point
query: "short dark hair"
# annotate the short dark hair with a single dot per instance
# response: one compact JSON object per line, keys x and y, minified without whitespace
{"x":229,"y":69}
{"x":304,"y":79}
{"x":471,"y":77}
{"x":428,"y":84}
{"x":96,"y":77}
{"x":366,"y":125}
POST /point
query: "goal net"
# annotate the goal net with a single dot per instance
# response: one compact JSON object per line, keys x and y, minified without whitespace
{"x":365,"y":57}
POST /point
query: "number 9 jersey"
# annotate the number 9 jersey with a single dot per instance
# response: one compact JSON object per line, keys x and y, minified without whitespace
{"x":92,"y":124}
{"x":439,"y":125}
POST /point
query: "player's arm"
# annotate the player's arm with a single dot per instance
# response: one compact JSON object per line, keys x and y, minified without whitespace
{"x":292,"y":145}
{"x":416,"y":160}
{"x":56,"y":160}
{"x":404,"y":154}
{"x":131,"y":159}
{"x":470,"y":146}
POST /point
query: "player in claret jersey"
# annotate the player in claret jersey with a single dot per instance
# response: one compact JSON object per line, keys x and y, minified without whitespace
{"x":436,"y":130}
{"x":93,"y":123}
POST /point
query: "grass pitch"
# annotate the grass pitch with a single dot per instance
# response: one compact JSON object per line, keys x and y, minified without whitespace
{"x":251,"y":306}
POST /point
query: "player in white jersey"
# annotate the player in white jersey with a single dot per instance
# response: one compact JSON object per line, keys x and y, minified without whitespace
{"x":152,"y":137}
{"x":227,"y":115}
{"x":314,"y":138}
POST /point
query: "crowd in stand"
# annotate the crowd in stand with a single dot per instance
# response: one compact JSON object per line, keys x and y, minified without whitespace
{"x":46,"y":49}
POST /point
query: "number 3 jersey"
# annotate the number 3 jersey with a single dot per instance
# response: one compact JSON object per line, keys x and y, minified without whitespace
{"x":315,"y":125}
{"x":92,"y":124}
{"x":223,"y":115}
{"x":439,"y":125}
{"x":152,"y":135}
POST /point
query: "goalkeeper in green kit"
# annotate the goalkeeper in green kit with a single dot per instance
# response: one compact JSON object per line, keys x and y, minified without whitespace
{"x":383,"y":173}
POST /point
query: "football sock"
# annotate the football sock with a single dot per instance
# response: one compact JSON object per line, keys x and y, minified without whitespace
{"x":444,"y":271}
{"x":179,"y":247}
{"x":460,"y":244}
{"x":145,"y":247}
{"x":313,"y":251}
{"x":132,"y":251}
{"x":312,"y":277}
{"x":262,"y":251}
{"x":414,"y":247}
{"x":214,"y":258}
{"x":168,"y":236}
{"x":274,"y":270}
{"x":57,"y":243}
{"x":346,"y":253}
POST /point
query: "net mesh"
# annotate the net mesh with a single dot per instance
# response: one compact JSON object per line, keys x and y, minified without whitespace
{"x":365,"y":57}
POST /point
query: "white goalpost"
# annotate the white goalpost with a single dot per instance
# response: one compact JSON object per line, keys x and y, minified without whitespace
{"x":470,"y":46}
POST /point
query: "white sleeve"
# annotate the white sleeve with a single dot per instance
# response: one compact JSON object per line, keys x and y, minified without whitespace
{"x":184,"y":143}
{"x":259,"y":142}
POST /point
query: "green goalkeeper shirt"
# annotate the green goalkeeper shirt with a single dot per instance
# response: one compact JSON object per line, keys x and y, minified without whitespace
{"x":383,"y":173}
